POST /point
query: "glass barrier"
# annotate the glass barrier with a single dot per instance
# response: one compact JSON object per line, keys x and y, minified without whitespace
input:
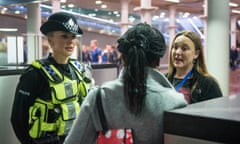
{"x":14,"y":48}
{"x":11,"y":47}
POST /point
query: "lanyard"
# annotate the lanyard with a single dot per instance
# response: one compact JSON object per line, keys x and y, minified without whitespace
{"x":183,"y":80}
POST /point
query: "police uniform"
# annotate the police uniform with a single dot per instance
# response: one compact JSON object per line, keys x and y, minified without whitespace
{"x":48,"y":95}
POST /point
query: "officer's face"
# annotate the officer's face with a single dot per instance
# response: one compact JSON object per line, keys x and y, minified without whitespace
{"x":62,"y":43}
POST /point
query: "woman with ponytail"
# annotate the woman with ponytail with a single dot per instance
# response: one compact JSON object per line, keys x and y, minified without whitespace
{"x":138,"y":98}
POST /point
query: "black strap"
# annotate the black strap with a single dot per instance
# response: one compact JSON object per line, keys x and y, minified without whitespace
{"x":100,"y":110}
{"x":102,"y":115}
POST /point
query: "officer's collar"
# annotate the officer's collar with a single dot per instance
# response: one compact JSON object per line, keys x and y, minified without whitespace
{"x":53,"y":61}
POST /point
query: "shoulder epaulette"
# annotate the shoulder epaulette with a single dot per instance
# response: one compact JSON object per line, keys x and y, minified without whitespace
{"x":85,"y":70}
{"x":49,"y":70}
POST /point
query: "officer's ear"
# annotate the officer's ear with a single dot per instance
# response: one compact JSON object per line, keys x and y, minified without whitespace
{"x":49,"y":38}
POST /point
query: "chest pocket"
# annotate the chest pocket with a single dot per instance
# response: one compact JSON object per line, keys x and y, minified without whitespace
{"x":65,"y":91}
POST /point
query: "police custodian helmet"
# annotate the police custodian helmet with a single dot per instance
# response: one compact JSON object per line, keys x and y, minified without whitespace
{"x":61,"y":21}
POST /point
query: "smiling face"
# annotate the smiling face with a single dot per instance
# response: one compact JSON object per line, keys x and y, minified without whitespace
{"x":183,"y":53}
{"x":62,"y":44}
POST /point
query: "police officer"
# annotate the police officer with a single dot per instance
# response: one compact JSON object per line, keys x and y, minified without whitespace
{"x":50,"y":91}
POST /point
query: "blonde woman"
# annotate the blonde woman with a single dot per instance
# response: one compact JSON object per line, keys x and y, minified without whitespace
{"x":50,"y":91}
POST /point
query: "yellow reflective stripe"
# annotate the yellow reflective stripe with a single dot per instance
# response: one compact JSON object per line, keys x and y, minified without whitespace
{"x":70,"y":110}
{"x":69,"y":113}
{"x":68,"y":125}
{"x":65,"y":127}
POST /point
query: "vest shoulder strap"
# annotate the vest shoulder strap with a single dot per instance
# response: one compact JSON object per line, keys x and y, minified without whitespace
{"x":48,"y":70}
{"x":85,"y":70}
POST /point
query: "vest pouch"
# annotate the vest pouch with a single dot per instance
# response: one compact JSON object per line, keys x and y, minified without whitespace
{"x":65,"y":91}
{"x":37,"y":114}
{"x":69,"y":114}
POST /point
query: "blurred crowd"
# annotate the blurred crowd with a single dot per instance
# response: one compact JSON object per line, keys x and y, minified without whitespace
{"x":234,"y":57}
{"x":94,"y":54}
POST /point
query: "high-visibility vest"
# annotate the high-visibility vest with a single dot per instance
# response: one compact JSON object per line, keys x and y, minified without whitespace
{"x":63,"y":106}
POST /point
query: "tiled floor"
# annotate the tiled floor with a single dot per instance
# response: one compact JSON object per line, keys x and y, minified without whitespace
{"x":234,"y":79}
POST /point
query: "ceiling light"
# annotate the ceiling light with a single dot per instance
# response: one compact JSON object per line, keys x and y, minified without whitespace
{"x":37,"y":1}
{"x":131,"y":19}
{"x":17,"y":12}
{"x":155,"y":17}
{"x":195,"y":17}
{"x":236,"y":11}
{"x":101,"y":31}
{"x":63,"y":1}
{"x":115,"y":12}
{"x":98,"y":2}
{"x":175,"y":1}
{"x":162,"y":14}
{"x":233,"y":4}
{"x":71,"y":5}
{"x":5,"y":9}
{"x":185,"y":15}
{"x":166,"y":20}
{"x":103,"y":6}
{"x":89,"y":29}
{"x":8,"y":29}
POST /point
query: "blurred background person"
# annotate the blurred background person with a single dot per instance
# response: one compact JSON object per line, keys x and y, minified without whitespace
{"x":114,"y":57}
{"x":96,"y":52}
{"x":86,"y":54}
{"x":107,"y":54}
{"x":233,"y":57}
